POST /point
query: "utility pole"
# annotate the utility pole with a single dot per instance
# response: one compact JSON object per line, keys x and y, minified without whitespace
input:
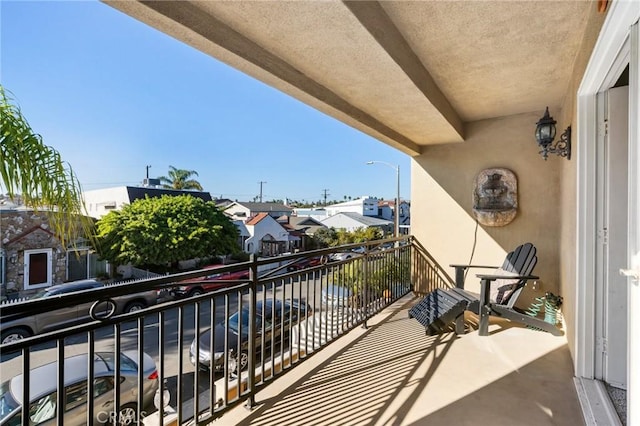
{"x":325,"y":193}
{"x":261,"y":182}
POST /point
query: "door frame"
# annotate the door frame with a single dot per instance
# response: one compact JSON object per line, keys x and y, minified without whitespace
{"x":613,"y":230}
{"x":617,"y":46}
{"x":27,"y":258}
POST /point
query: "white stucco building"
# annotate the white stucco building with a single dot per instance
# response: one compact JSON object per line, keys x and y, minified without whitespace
{"x":266,"y":236}
{"x":350,"y":221}
{"x":366,"y":206}
{"x":99,"y":202}
{"x":244,"y":210}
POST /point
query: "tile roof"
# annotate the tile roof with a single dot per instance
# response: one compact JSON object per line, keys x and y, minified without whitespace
{"x":255,"y":219}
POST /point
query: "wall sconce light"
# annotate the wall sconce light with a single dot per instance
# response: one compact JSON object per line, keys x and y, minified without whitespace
{"x":546,"y":133}
{"x":13,"y":259}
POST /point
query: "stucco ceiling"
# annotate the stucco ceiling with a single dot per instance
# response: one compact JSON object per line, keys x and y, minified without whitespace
{"x":408,"y":73}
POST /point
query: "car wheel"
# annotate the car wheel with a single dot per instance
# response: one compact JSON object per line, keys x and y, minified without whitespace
{"x":241,"y":363}
{"x":195,"y":292}
{"x":14,"y":334}
{"x":127,"y":415}
{"x":134,"y":306}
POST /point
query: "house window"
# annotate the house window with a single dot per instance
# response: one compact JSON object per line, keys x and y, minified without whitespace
{"x":84,"y":263}
{"x":38,"y":268}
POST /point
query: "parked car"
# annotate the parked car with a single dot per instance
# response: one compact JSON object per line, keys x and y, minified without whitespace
{"x":275,"y":327}
{"x":43,"y":391}
{"x":213,"y":281}
{"x":306,"y":262}
{"x":336,"y":257}
{"x":335,"y":296}
{"x":16,"y":329}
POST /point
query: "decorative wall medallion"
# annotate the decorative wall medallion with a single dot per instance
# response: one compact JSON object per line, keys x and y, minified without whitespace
{"x":495,"y":197}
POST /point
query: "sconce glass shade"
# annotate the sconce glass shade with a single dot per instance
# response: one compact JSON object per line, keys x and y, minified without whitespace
{"x":545,"y":135}
{"x":545,"y":129}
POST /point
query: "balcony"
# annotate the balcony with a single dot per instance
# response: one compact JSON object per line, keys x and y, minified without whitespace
{"x":391,"y":373}
{"x":348,"y":356}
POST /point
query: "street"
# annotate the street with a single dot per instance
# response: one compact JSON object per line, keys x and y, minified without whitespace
{"x":305,"y":289}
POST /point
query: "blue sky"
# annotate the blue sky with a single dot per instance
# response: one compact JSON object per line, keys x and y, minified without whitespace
{"x":114,"y":95}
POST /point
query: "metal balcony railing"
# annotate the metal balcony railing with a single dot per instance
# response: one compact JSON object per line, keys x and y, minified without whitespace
{"x":201,"y":354}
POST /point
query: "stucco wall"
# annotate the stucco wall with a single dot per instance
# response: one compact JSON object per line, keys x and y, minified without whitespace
{"x":442,"y":179}
{"x":442,"y":187}
{"x":96,"y":200}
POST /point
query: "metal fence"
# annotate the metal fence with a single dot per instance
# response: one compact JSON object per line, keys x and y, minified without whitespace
{"x":209,"y":352}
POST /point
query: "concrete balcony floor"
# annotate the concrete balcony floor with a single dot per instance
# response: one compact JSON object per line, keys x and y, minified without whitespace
{"x":393,"y":374}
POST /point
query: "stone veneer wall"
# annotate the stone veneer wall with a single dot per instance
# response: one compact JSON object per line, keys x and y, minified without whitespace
{"x":16,"y":223}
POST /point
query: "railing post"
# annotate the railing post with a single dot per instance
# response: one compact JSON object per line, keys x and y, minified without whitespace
{"x":365,"y":286}
{"x":251,"y":369}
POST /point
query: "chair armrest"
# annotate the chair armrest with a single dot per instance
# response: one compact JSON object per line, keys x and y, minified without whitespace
{"x":474,"y":266}
{"x":484,"y":277}
{"x":485,"y":290}
{"x":460,"y":269}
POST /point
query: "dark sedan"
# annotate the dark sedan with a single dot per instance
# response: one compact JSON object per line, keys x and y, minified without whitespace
{"x":278,"y":317}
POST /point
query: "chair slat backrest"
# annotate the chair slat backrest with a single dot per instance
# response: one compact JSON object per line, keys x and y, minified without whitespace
{"x":520,"y":261}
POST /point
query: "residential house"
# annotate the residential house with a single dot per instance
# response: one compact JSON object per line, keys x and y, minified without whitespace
{"x":460,"y":88}
{"x":243,"y":210}
{"x":316,"y":213}
{"x":99,"y":202}
{"x":304,"y":227}
{"x":32,"y":257}
{"x":266,"y":236}
{"x":243,"y":232}
{"x":365,"y":206}
{"x":223,"y":203}
{"x":387,"y":209}
{"x":350,"y":221}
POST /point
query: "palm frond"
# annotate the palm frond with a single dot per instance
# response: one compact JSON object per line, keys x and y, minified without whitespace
{"x":38,"y":174}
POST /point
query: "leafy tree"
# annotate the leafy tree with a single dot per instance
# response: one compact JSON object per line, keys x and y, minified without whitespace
{"x":180,"y":179}
{"x":160,"y":231}
{"x":332,"y":237}
{"x":325,"y":237}
{"x":35,"y":172}
{"x":382,"y":275}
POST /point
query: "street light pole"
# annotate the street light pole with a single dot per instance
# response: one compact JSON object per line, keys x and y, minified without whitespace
{"x":396,"y":215}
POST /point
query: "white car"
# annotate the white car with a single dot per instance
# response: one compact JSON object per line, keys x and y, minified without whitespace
{"x":43,"y":395}
{"x":337,"y":257}
{"x":335,"y":296}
